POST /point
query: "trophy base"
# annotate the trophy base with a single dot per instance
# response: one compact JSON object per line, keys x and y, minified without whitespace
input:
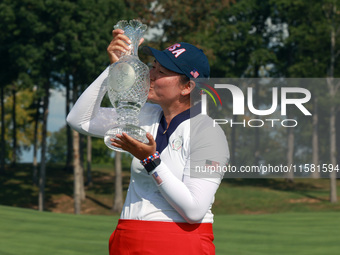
{"x":131,"y":130}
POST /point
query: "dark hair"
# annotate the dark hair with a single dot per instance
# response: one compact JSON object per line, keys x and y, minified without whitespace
{"x":184,"y":79}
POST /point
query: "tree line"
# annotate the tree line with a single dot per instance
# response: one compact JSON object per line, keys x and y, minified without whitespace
{"x":48,"y":45}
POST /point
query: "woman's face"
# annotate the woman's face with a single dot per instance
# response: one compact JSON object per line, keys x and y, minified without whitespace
{"x":165,"y":86}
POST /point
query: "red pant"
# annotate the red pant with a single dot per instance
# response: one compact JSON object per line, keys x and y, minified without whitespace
{"x":155,"y":237}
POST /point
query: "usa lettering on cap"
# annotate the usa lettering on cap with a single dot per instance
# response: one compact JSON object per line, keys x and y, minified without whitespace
{"x":177,"y":52}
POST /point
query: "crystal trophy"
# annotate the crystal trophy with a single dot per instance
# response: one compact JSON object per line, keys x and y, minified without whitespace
{"x":128,"y":86}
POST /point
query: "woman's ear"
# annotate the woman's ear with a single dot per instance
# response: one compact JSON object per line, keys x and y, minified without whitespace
{"x":188,"y":88}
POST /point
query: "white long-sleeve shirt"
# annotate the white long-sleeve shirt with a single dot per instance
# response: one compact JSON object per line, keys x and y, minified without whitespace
{"x":179,"y":189}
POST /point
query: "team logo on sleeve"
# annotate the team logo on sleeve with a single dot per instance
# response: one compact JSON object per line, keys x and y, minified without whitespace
{"x":177,"y":143}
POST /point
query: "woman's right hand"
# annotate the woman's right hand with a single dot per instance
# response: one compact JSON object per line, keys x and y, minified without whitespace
{"x":118,"y":45}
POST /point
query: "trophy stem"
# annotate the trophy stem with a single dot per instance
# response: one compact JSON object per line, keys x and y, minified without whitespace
{"x":128,"y":113}
{"x":124,"y":120}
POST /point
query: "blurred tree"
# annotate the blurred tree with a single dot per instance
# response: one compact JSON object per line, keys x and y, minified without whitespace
{"x":24,"y":130}
{"x":56,"y":151}
{"x":240,"y":41}
{"x":17,"y":57}
{"x":299,"y":51}
{"x":118,"y":197}
{"x":89,"y":161}
{"x":36,"y":138}
{"x":56,"y":147}
{"x":332,"y":15}
{"x":82,"y":34}
{"x":310,"y":50}
{"x":100,"y":153}
{"x":25,"y":48}
{"x":2,"y":114}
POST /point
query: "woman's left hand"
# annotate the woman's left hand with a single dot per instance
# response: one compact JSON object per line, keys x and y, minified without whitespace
{"x":136,"y":148}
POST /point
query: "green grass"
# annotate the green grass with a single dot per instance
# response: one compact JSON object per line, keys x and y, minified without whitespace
{"x":263,"y":196}
{"x":285,"y":233}
{"x":26,"y":231}
{"x":252,"y":216}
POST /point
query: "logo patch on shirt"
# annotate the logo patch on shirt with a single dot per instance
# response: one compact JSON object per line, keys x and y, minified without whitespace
{"x":177,"y":143}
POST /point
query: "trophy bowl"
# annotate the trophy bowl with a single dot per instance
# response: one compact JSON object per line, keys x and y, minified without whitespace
{"x":128,"y":86}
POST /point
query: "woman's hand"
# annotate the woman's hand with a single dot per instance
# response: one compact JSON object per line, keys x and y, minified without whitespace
{"x":119,"y":44}
{"x":136,"y":148}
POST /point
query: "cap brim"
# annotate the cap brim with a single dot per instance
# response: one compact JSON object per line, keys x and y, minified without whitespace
{"x":162,"y":59}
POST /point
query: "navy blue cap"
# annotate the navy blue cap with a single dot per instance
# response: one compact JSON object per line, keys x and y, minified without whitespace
{"x":182,"y":58}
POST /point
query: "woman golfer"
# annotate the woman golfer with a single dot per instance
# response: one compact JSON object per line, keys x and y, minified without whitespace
{"x":167,"y":209}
